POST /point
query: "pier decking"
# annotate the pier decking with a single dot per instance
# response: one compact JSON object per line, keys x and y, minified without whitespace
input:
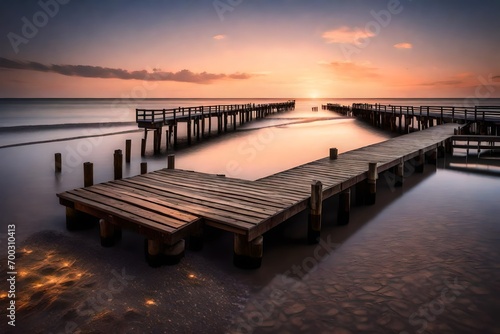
{"x":169,"y":205}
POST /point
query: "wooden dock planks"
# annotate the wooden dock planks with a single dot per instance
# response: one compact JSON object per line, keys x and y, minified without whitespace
{"x":172,"y":203}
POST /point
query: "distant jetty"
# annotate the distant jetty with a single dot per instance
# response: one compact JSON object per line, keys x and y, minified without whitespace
{"x":196,"y":119}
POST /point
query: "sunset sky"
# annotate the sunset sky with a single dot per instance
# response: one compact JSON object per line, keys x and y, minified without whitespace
{"x":250,"y":48}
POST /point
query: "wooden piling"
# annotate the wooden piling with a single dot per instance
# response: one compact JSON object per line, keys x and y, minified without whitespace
{"x":315,"y":207}
{"x":88,"y":174}
{"x":172,"y":254}
{"x":248,"y":254}
{"x":420,"y":161}
{"x":118,"y":164}
{"x":400,"y":168}
{"x":58,"y":162}
{"x":171,"y":161}
{"x":334,"y":153}
{"x":128,"y":150}
{"x":144,"y":167}
{"x":153,"y":248}
{"x":107,"y":233}
{"x":372,"y":183}
{"x":344,"y":207}
{"x":196,"y":239}
{"x":143,"y":147}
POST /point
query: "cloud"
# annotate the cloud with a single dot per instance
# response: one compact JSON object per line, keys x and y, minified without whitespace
{"x":346,"y":35}
{"x":443,"y":83}
{"x":351,"y":70}
{"x":86,"y":71}
{"x":403,"y":46}
{"x":219,"y":37}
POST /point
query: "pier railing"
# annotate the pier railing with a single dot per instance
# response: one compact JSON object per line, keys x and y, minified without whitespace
{"x":186,"y":113}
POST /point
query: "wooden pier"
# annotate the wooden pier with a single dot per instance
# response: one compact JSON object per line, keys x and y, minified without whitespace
{"x":169,"y":205}
{"x":194,"y":117}
{"x":481,"y":120}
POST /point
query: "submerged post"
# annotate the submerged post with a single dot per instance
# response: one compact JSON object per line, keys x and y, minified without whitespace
{"x":143,"y":147}
{"x":171,"y":161}
{"x":107,"y":233}
{"x":128,"y":150}
{"x":88,"y":174}
{"x":58,"y":162}
{"x":400,"y":168}
{"x":314,"y":224}
{"x":372,"y":183}
{"x":144,"y":167}
{"x":153,"y":252}
{"x":420,"y":161}
{"x":248,"y":254}
{"x":118,"y":164}
{"x":344,"y":207}
{"x":334,"y":153}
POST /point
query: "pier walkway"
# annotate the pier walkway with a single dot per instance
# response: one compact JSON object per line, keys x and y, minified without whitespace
{"x":169,"y":205}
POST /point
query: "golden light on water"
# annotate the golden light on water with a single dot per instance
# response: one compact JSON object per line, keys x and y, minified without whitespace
{"x":3,"y":295}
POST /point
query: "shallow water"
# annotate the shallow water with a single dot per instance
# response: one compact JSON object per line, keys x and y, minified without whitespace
{"x":383,"y":271}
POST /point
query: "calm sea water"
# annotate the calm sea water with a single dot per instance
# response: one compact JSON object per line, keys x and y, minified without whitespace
{"x":427,"y":261}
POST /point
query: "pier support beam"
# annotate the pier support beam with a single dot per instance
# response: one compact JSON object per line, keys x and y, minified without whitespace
{"x":172,"y":254}
{"x":400,"y":171}
{"x":153,"y":252}
{"x":314,"y":223}
{"x":171,"y":161}
{"x":128,"y":150}
{"x":344,"y":207}
{"x":196,"y":239}
{"x":432,"y":157}
{"x":58,"y":162}
{"x":118,"y":164}
{"x":144,"y":167}
{"x":420,"y":161}
{"x":88,"y":174}
{"x":334,"y":153}
{"x":248,"y":254}
{"x":107,"y":233}
{"x":372,"y":183}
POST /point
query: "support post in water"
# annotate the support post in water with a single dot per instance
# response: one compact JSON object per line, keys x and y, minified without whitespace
{"x":334,"y":153}
{"x":153,"y":248}
{"x":196,"y":239}
{"x":128,"y":150}
{"x":171,"y":161}
{"x":118,"y":164}
{"x":173,"y":253}
{"x":400,"y":170}
{"x":432,"y":157}
{"x":420,"y":161}
{"x":372,"y":183}
{"x":143,"y":147}
{"x":144,"y":167}
{"x":248,"y":254}
{"x":88,"y":174}
{"x":107,"y":233}
{"x":344,"y":207}
{"x":58,"y":162}
{"x":314,"y":224}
